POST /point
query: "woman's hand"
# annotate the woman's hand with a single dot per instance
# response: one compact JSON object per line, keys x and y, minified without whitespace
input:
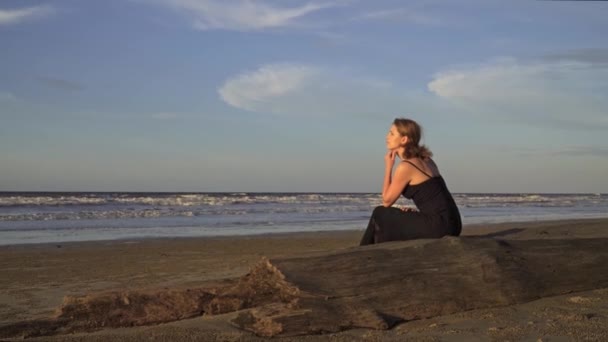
{"x":409,"y":209}
{"x":389,"y":159}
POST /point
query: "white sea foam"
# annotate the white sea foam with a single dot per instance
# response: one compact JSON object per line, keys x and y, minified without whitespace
{"x":180,"y":199}
{"x":47,"y":200}
{"x":254,"y":211}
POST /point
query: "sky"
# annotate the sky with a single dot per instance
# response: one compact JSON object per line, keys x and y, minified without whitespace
{"x":297,"y":96}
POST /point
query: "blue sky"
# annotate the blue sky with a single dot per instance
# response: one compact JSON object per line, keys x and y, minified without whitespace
{"x":212,"y":95}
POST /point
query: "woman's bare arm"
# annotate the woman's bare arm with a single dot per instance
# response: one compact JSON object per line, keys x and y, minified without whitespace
{"x":393,"y":186}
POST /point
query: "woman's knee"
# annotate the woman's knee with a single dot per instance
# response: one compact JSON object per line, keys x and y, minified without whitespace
{"x":379,"y":210}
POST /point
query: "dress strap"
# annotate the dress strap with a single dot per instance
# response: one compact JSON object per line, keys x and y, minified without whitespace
{"x":419,"y":169}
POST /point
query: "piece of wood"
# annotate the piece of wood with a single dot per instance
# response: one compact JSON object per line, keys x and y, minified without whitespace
{"x":377,"y":286}
{"x":368,"y":287}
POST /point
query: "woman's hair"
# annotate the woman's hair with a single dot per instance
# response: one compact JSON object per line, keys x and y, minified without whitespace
{"x":412,"y":130}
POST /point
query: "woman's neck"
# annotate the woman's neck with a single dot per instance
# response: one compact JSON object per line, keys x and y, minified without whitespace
{"x":401,"y":153}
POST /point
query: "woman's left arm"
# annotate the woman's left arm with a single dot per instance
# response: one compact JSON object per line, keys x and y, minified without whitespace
{"x":393,"y":184}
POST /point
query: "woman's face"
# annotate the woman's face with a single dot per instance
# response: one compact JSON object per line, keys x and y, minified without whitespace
{"x":394,"y":139}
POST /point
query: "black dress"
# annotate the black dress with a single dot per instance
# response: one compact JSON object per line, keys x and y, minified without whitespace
{"x":438,"y":215}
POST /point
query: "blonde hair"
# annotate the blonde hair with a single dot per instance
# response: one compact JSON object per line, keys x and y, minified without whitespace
{"x":412,"y":130}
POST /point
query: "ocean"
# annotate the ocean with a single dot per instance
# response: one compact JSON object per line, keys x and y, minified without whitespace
{"x":51,"y":217}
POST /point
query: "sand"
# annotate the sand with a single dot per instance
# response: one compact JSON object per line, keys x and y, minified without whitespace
{"x":35,"y":278}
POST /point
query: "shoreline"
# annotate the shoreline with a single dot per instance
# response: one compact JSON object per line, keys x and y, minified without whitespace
{"x":468,"y":229}
{"x":37,"y":277}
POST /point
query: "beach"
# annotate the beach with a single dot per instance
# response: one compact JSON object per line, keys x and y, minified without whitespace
{"x":35,"y":278}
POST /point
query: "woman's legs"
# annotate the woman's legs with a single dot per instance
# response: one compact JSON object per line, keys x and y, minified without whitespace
{"x":368,"y":236}
{"x":393,"y":224}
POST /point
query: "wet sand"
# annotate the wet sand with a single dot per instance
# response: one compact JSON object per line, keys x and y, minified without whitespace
{"x":35,"y":278}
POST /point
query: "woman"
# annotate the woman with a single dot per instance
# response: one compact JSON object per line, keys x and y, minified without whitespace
{"x":416,"y":177}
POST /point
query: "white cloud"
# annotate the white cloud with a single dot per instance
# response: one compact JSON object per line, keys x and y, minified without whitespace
{"x":562,"y":93}
{"x":15,"y":16}
{"x":256,"y":89}
{"x":305,"y":90}
{"x":558,"y":94}
{"x":242,"y":15}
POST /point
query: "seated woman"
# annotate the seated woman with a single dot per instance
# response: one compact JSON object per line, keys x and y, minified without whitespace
{"x":416,"y":177}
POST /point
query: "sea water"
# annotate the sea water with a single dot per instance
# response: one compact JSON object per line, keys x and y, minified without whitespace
{"x":38,"y":217}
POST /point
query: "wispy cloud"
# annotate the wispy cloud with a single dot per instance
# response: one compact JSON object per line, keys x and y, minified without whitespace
{"x":165,"y":116}
{"x":589,"y":55}
{"x":16,"y":16}
{"x":306,"y":90}
{"x":60,"y":83}
{"x":399,"y":15}
{"x":559,"y":93}
{"x":7,"y":97}
{"x":565,"y":151}
{"x":242,"y":15}
{"x":582,"y":151}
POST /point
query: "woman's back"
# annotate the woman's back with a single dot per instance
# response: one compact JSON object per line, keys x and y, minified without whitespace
{"x":433,"y":198}
{"x":430,"y":193}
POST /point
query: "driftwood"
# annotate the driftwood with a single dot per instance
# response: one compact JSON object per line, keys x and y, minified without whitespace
{"x":378,"y":286}
{"x":372,"y":287}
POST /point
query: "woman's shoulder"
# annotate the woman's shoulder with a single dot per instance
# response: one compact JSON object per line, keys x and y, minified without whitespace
{"x":426,"y":165}
{"x":419,"y":161}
